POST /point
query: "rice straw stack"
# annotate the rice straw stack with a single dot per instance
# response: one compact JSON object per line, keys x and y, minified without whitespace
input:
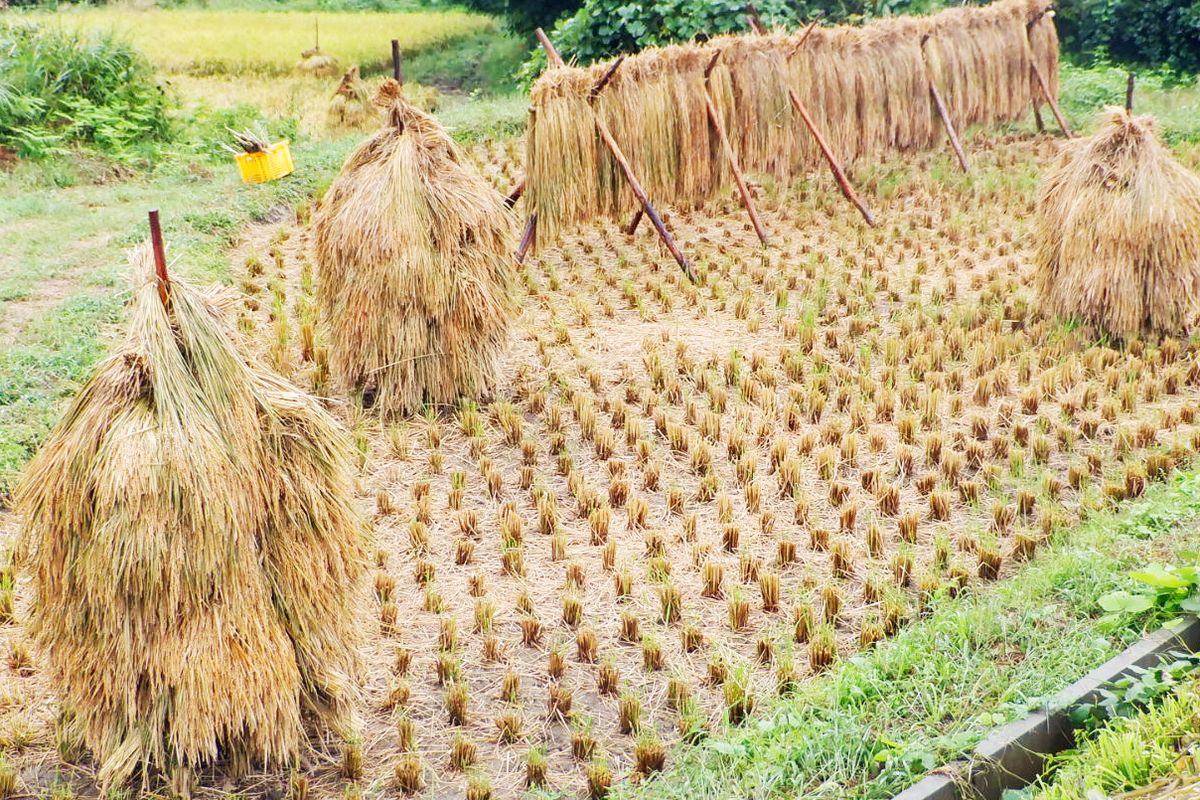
{"x":1118,"y":233}
{"x":414,"y":255}
{"x":866,"y":88}
{"x":195,"y":551}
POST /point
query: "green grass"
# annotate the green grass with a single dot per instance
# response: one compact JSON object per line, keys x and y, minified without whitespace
{"x":79,"y":235}
{"x":881,"y":720}
{"x":1176,"y":105}
{"x":1127,"y":754}
{"x":269,"y":42}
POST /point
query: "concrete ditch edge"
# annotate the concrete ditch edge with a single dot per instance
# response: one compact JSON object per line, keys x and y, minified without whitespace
{"x":1014,"y":754}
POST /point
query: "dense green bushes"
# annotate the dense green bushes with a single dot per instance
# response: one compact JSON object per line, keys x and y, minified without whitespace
{"x":59,"y":88}
{"x":1143,"y":32}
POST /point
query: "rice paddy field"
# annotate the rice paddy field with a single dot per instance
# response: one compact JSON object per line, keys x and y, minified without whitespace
{"x":257,"y":42}
{"x":690,"y":513}
{"x":686,"y":499}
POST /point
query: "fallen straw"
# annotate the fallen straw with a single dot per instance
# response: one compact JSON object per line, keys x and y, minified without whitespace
{"x":160,"y":256}
{"x":718,"y":126}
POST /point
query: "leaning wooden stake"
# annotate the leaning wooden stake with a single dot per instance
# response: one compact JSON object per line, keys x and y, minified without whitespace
{"x":160,"y":256}
{"x":606,"y":136}
{"x":515,"y":194}
{"x":718,"y":125}
{"x":527,"y":238}
{"x":834,"y":167}
{"x":942,"y":112}
{"x":634,"y":221}
{"x":1041,"y":79}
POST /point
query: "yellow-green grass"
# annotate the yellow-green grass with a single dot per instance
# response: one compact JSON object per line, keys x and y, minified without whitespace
{"x":270,"y":42}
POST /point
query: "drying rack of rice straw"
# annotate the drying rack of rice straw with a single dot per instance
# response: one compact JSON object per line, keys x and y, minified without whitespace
{"x":692,"y":119}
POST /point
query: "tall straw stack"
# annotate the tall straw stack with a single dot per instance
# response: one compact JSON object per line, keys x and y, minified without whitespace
{"x":194,"y":549}
{"x":1118,"y":243}
{"x":414,"y":254}
{"x":866,"y":88}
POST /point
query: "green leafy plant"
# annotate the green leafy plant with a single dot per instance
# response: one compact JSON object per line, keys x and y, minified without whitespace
{"x":1133,"y":694}
{"x":1171,"y":591}
{"x":60,"y":88}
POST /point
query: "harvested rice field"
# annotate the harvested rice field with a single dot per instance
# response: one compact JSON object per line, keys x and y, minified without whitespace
{"x":686,"y":499}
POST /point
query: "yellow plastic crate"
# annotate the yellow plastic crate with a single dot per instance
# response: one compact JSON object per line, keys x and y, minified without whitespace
{"x":270,"y":164}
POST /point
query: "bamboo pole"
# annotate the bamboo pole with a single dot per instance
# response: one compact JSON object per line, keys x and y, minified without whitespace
{"x":527,"y":239}
{"x":718,"y":125}
{"x":1041,"y":79}
{"x":160,"y":256}
{"x":614,"y":149}
{"x":834,"y":167}
{"x":947,"y":123}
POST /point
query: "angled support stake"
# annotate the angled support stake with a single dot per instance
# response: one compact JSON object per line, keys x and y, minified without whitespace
{"x":718,"y":126}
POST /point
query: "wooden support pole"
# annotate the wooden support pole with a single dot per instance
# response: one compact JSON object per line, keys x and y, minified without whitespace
{"x":606,"y":136}
{"x":756,"y":23}
{"x":397,"y":72}
{"x":1037,"y":117}
{"x":718,"y":125}
{"x":836,"y":168}
{"x":527,"y":239}
{"x":636,"y":220}
{"x":940,"y":105}
{"x":552,"y":56}
{"x":1041,"y":79}
{"x":838,"y":173}
{"x":1129,"y":85}
{"x":807,"y":32}
{"x":160,"y":256}
{"x":515,"y":194}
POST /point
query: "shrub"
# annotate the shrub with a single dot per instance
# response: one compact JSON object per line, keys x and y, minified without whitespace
{"x":602,"y":28}
{"x":59,"y":88}
{"x":1146,"y":32}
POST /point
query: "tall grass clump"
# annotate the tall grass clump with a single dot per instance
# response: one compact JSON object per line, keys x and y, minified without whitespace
{"x":60,"y":88}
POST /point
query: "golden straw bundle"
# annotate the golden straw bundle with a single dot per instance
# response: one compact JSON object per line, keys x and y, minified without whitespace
{"x":194,"y":550}
{"x":866,"y":88}
{"x":350,"y":106}
{"x":1118,"y":243}
{"x":317,"y":63}
{"x":414,"y":254}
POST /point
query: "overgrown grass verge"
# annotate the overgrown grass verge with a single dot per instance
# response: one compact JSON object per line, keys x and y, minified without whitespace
{"x":1127,"y":754}
{"x":880,"y":720}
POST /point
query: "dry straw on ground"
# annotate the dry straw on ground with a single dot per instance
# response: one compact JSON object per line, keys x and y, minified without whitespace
{"x":194,"y":548}
{"x":865,"y":87}
{"x":1118,"y":243}
{"x":414,"y":252}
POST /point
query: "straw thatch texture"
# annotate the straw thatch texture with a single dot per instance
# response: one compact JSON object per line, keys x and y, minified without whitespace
{"x":865,"y":87}
{"x":1118,"y":239}
{"x":317,"y":63}
{"x":414,"y":254}
{"x":194,"y":550}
